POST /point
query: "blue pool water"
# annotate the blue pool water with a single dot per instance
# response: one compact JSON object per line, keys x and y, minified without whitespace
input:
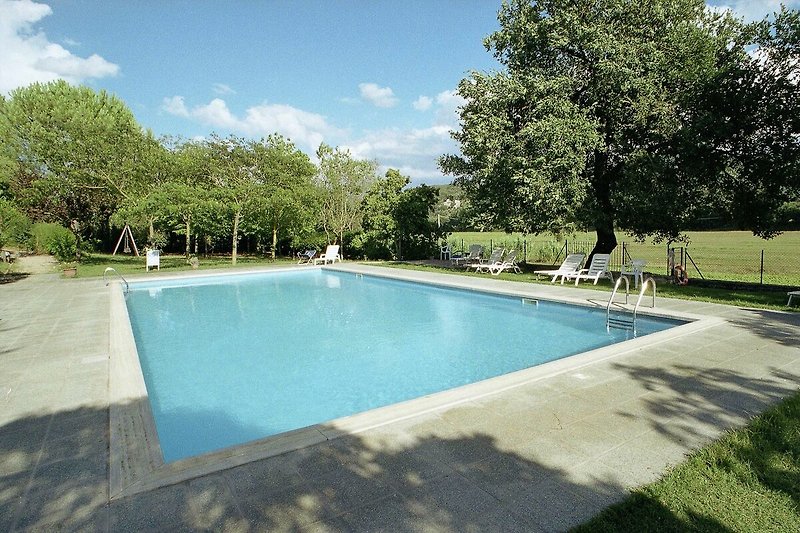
{"x":230,"y":359}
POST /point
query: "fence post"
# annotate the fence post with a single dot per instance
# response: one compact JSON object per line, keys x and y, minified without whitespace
{"x":491,"y":244}
{"x":525,"y":251}
{"x":762,"y":267}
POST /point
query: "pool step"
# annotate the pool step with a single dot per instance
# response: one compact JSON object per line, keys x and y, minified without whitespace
{"x":621,"y":321}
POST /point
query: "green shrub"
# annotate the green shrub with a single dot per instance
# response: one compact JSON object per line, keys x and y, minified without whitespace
{"x":53,"y":239}
{"x":14,"y":225}
{"x":64,"y":246}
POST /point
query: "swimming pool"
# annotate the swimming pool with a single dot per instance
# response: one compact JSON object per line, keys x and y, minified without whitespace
{"x":231,"y":359}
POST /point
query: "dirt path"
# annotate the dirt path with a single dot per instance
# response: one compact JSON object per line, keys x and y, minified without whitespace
{"x":36,"y":264}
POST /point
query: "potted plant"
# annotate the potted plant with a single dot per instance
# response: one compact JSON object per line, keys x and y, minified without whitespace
{"x":70,"y":269}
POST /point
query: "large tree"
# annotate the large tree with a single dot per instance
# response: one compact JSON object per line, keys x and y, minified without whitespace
{"x":284,"y":199}
{"x":76,"y":153}
{"x":342,"y":182}
{"x":617,"y":114}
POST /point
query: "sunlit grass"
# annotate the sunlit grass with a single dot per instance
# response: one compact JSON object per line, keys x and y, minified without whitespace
{"x":93,"y":265}
{"x":739,"y":297}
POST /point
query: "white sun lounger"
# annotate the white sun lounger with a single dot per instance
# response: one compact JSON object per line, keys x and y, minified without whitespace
{"x":597,"y":269}
{"x":508,"y":263}
{"x":570,"y":265}
{"x":331,"y":255}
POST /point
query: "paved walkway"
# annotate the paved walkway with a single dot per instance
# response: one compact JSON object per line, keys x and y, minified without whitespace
{"x":543,"y":456}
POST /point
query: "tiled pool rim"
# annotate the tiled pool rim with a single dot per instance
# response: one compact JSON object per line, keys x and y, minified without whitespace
{"x":135,"y":458}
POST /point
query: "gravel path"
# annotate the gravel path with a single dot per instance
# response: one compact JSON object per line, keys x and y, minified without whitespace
{"x":36,"y":264}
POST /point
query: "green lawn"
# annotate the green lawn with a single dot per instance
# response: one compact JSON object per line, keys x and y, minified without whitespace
{"x":725,"y":255}
{"x":749,"y":480}
{"x":93,"y":265}
{"x":759,"y":299}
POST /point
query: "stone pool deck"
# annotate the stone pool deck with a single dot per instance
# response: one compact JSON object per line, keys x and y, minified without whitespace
{"x":542,"y":455}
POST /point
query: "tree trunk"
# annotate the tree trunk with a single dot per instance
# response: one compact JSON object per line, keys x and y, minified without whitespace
{"x":151,"y":233}
{"x":235,"y":240}
{"x":604,"y":223}
{"x":188,"y":236}
{"x":606,"y":242}
{"x":274,"y":240}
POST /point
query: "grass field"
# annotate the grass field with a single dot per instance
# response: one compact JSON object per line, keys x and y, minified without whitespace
{"x":722,"y":255}
{"x":94,"y":264}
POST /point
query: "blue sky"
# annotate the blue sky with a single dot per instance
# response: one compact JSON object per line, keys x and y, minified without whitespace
{"x":376,"y":77}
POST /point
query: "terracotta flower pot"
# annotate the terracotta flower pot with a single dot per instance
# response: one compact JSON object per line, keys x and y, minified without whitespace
{"x":70,"y":272}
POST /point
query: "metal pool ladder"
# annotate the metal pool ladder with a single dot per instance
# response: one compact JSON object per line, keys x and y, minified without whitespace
{"x":111,"y":269}
{"x":622,"y":320}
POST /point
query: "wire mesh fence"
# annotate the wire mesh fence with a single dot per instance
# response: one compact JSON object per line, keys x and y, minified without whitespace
{"x":724,"y":262}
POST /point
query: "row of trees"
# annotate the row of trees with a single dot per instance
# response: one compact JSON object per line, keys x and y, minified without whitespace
{"x":77,"y":157}
{"x":638,"y":116}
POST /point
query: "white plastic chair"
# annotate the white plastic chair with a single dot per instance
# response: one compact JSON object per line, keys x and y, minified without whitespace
{"x":636,"y":269}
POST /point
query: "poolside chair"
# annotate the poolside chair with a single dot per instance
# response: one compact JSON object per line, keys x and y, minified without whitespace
{"x":791,"y":295}
{"x":636,"y":269}
{"x":508,"y":263}
{"x":474,"y":255}
{"x":495,"y":259}
{"x":305,"y":258}
{"x":597,"y":268}
{"x":331,"y":255}
{"x":570,"y":265}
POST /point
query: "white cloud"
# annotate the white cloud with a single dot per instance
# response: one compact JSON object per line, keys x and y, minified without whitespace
{"x":415,"y":152}
{"x":175,"y":106}
{"x":28,"y":56}
{"x":751,"y":10}
{"x":222,"y":89}
{"x":307,"y":130}
{"x":423,"y":103}
{"x":377,"y":96}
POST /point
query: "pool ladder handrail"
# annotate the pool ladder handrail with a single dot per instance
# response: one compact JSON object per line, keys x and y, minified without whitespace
{"x":621,"y":322}
{"x":649,"y":280}
{"x":112,"y":269}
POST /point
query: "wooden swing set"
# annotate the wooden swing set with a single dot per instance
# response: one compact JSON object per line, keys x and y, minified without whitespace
{"x":127,"y":235}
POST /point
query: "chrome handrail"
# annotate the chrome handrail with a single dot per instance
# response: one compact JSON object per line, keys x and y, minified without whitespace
{"x":112,"y":269}
{"x":649,"y":280}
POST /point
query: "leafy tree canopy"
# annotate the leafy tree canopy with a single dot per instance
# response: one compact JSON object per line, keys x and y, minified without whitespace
{"x":72,"y":153}
{"x":628,"y":115}
{"x":342,"y":182}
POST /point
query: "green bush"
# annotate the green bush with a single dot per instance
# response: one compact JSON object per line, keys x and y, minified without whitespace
{"x":53,"y":239}
{"x":14,"y":225}
{"x":64,"y":246}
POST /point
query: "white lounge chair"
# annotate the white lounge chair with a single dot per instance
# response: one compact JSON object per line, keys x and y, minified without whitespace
{"x":570,"y":265}
{"x":597,"y":268}
{"x":495,"y":259}
{"x":474,"y":255}
{"x":509,"y":263}
{"x":331,"y":255}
